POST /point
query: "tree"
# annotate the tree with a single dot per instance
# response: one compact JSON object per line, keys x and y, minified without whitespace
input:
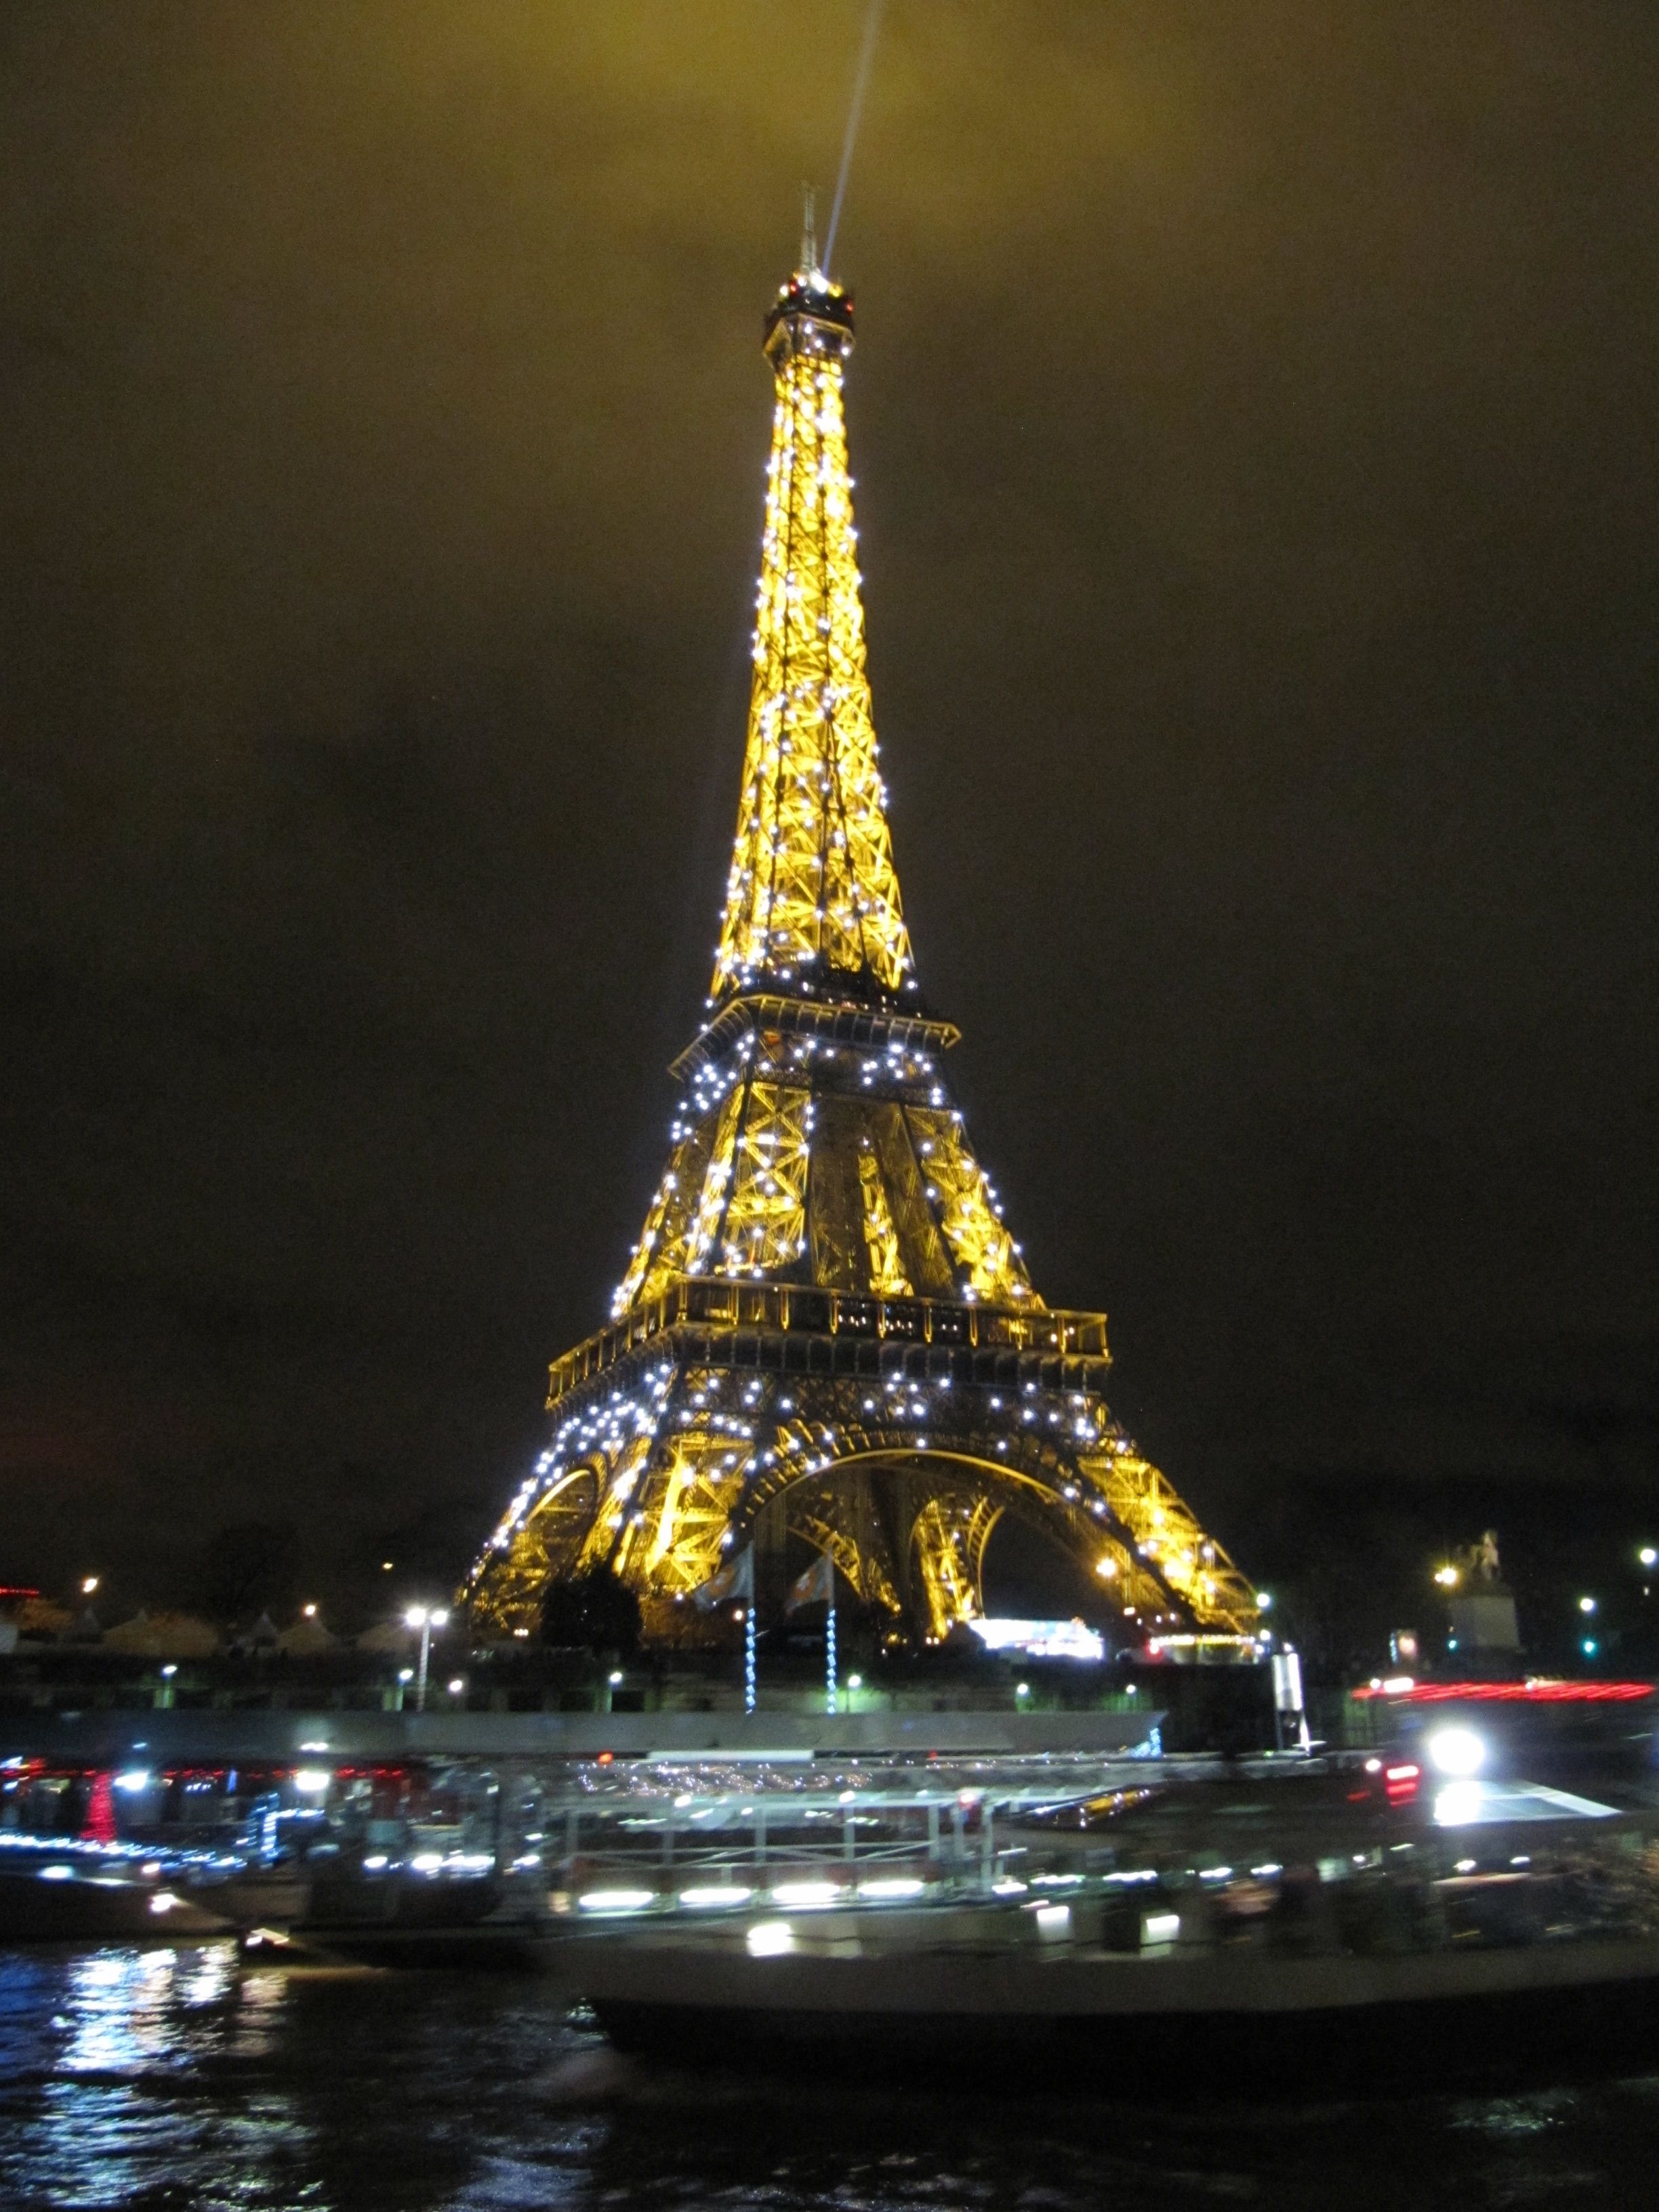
{"x":592,"y":1612}
{"x":250,"y":1567}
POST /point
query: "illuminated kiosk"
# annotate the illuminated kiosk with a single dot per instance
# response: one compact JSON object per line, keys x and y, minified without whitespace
{"x":826,"y":1335}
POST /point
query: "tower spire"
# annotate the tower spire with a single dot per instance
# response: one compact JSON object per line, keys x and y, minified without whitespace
{"x":812,"y":898}
{"x":809,"y":231}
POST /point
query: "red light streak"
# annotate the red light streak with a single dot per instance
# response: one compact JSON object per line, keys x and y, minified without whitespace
{"x":1537,"y":1693}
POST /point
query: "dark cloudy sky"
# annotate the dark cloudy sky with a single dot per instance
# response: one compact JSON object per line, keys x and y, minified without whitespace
{"x":1254,"y":424}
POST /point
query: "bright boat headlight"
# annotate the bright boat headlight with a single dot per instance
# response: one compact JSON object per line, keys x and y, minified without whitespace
{"x":1457,"y":1751}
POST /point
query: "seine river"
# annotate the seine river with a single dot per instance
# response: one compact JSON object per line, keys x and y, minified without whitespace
{"x":157,"y":2079}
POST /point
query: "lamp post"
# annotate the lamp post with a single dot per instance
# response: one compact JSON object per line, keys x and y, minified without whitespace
{"x":426,"y":1618}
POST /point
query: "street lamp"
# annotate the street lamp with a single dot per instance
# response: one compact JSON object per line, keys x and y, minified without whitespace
{"x":426,"y":1618}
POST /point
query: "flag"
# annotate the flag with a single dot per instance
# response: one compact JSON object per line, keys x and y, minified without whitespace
{"x":816,"y":1587}
{"x":735,"y":1580}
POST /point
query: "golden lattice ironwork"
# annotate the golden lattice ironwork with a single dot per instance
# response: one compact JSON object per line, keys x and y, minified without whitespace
{"x":827,"y":1336}
{"x":812,"y":886}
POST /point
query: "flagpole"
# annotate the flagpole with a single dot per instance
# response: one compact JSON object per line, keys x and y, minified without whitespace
{"x":830,"y":1663}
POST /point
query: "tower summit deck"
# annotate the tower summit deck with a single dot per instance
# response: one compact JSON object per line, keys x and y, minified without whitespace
{"x":826,"y":1339}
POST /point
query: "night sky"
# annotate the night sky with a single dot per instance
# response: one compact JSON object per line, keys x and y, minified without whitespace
{"x":1254,"y":420}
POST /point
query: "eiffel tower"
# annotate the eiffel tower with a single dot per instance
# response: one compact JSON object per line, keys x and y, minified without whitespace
{"x":826,"y":1336}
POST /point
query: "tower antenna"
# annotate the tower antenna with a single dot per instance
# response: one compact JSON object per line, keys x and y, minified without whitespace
{"x":809,"y":230}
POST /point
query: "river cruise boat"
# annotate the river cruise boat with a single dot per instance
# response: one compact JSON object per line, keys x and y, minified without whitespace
{"x":1267,"y":1925}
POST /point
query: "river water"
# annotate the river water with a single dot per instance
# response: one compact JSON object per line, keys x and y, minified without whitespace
{"x":146,"y":2079}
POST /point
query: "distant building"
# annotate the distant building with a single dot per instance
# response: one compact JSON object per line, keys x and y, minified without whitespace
{"x":164,"y":1635}
{"x":13,"y":1599}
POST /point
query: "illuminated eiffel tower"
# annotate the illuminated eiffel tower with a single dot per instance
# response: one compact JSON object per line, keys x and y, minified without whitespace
{"x":826,"y":1336}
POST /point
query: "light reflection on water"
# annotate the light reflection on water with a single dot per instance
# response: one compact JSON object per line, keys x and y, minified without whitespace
{"x":106,"y":2063}
{"x":156,"y":2079}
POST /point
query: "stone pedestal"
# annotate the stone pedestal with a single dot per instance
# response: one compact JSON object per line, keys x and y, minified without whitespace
{"x":1484,"y":1620}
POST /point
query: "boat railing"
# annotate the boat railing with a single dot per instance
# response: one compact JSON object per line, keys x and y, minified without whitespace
{"x":1537,"y":1881}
